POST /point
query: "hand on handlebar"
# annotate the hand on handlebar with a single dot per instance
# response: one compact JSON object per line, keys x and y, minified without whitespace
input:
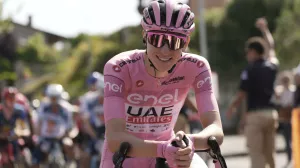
{"x":166,"y":150}
{"x":185,"y":154}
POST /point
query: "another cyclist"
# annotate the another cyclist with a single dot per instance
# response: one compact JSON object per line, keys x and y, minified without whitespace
{"x":12,"y":125}
{"x":91,"y":107}
{"x":54,"y":123}
{"x":145,"y":90}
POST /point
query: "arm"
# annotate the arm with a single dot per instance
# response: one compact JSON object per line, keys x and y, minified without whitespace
{"x":212,"y":125}
{"x":116,"y":134}
{"x":239,"y":97}
{"x":114,"y":115}
{"x":262,"y":24}
{"x":88,"y":128}
{"x":208,"y":110}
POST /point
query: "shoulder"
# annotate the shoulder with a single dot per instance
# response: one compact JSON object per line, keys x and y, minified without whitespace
{"x":120,"y":62}
{"x":194,"y":63}
{"x":66,"y":105}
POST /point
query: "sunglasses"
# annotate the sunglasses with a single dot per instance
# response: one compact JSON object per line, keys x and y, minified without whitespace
{"x":158,"y":40}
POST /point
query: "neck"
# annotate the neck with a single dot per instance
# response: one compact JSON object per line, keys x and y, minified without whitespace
{"x":152,"y":71}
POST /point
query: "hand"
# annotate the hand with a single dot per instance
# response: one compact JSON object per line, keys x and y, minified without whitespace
{"x":229,"y":112}
{"x":184,"y":156}
{"x":261,"y":24}
{"x":167,"y":151}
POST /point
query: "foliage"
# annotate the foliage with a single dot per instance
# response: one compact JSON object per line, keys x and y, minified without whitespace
{"x":287,"y":35}
{"x":36,"y":50}
{"x":235,"y":28}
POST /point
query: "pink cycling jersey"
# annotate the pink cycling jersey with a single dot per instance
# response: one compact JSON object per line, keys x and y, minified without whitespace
{"x":149,"y":105}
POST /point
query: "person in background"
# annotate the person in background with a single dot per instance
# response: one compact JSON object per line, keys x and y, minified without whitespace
{"x":257,"y":86}
{"x":285,"y":101}
{"x":297,"y":83}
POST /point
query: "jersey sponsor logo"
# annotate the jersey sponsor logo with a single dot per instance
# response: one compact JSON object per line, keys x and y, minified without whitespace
{"x":116,"y":68}
{"x":151,"y":118}
{"x":200,"y":64}
{"x":200,"y":83}
{"x":139,"y":83}
{"x":244,"y":75}
{"x":113,"y":87}
{"x":149,"y":115}
{"x":193,"y":60}
{"x":132,"y":61}
{"x":173,"y":80}
{"x":136,"y":98}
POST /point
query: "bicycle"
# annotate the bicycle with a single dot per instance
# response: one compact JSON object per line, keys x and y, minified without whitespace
{"x":214,"y":151}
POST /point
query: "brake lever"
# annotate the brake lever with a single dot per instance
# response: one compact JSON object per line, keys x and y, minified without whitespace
{"x":120,"y":156}
{"x":184,"y":139}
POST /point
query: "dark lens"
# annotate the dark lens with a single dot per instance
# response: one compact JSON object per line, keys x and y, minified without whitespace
{"x":156,"y":40}
{"x":175,"y":43}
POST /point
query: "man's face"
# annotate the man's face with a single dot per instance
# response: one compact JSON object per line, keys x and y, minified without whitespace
{"x":251,"y":55}
{"x":164,"y":58}
{"x":93,"y":87}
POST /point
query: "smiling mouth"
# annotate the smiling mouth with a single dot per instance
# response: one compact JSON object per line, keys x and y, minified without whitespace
{"x":164,"y":59}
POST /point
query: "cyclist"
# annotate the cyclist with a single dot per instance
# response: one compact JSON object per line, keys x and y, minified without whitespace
{"x":54,"y":123}
{"x":92,"y":115}
{"x":145,"y":90}
{"x":12,"y":125}
{"x":23,"y":103}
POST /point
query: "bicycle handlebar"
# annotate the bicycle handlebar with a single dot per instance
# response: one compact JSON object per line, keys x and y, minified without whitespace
{"x":120,"y":156}
{"x":214,"y":152}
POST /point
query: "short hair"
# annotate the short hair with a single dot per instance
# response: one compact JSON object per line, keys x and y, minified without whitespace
{"x":256,"y":43}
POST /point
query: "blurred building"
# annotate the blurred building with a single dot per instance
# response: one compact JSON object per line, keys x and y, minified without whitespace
{"x":22,"y":32}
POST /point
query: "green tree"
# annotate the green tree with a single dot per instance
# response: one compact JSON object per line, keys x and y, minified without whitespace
{"x":235,"y":28}
{"x":287,"y":35}
{"x":36,"y":50}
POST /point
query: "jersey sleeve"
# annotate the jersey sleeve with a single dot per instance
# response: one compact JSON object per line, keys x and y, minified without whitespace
{"x":205,"y":98}
{"x":116,"y":83}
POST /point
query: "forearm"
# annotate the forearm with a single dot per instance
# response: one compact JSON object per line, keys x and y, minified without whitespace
{"x":236,"y":102}
{"x":140,"y":148}
{"x":268,"y":37}
{"x":200,"y":139}
{"x":89,"y":130}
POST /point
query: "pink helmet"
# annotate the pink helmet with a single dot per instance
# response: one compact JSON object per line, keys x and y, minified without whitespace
{"x":168,"y":15}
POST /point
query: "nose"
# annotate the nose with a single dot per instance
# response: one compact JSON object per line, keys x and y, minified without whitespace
{"x":165,"y":50}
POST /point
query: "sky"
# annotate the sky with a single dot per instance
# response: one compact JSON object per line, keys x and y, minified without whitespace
{"x":71,"y":17}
